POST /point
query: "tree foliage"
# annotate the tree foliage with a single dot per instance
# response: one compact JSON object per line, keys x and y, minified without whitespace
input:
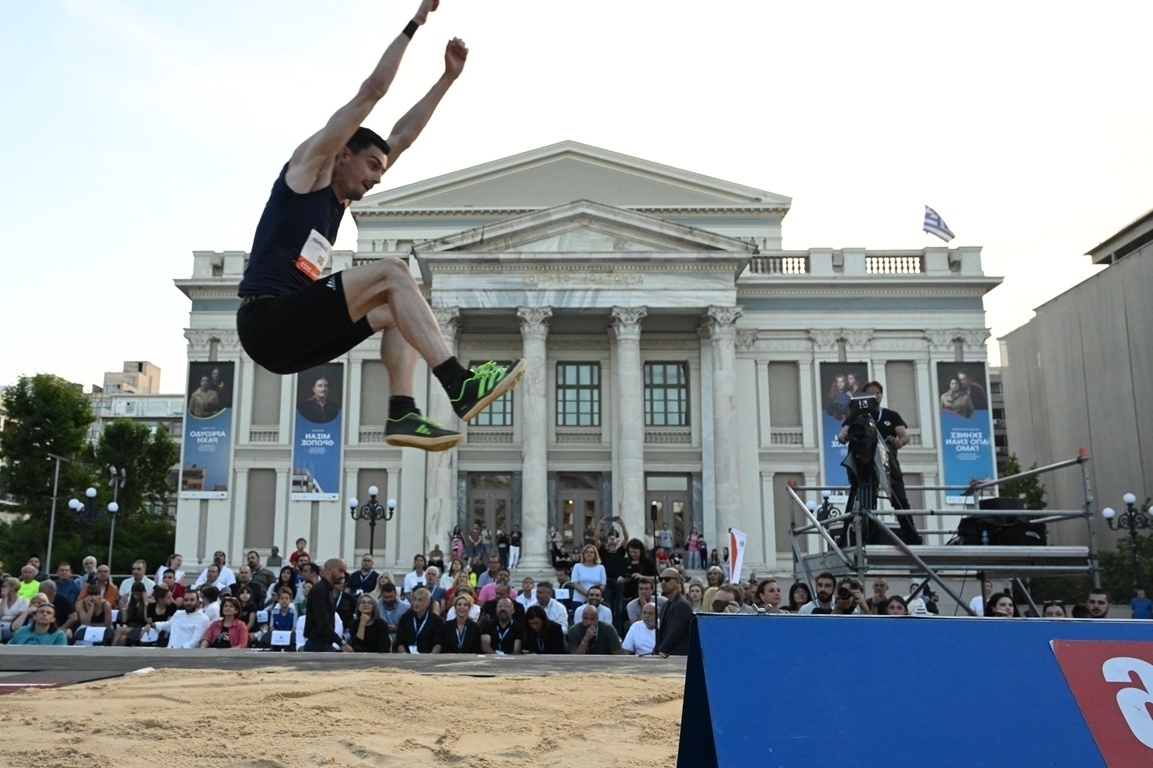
{"x":1029,"y":487}
{"x":144,"y":458}
{"x":46,"y":415}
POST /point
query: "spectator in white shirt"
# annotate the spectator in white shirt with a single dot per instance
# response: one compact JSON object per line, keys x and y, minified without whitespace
{"x":552,"y":608}
{"x":187,"y":627}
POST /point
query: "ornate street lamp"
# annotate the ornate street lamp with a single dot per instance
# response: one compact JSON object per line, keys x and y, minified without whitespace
{"x":86,"y":513}
{"x":372,"y":511}
{"x":1130,"y":520}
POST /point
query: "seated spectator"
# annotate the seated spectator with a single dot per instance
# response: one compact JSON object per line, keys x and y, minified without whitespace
{"x":162,"y":608}
{"x":93,"y":612}
{"x":244,"y":580}
{"x":101,"y":585}
{"x":210,"y":602}
{"x":210,"y":577}
{"x":645,"y":590}
{"x":461,"y":634}
{"x":42,"y":630}
{"x":641,"y":639}
{"x":363,"y":581}
{"x":767,"y":598}
{"x":799,"y":596}
{"x":727,"y":599}
{"x":1000,"y":605}
{"x":133,"y":616}
{"x":391,"y":607}
{"x":28,"y":615}
{"x":173,"y":563}
{"x":595,"y":598}
{"x":552,"y":608}
{"x":139,"y":576}
{"x":248,"y":610}
{"x":186,"y":628}
{"x":28,"y":583}
{"x":880,"y":595}
{"x":436,"y":593}
{"x":504,"y":635}
{"x":170,"y":580}
{"x":1054,"y":609}
{"x":229,"y":631}
{"x":696,"y":595}
{"x":850,"y":598}
{"x":541,"y":635}
{"x":488,"y":611}
{"x":88,"y":566}
{"x":63,"y":605}
{"x":281,"y":618}
{"x":895,"y":605}
{"x":527,"y":592}
{"x":592,"y":636}
{"x":368,"y":633}
{"x":822,"y":602}
{"x":488,"y":591}
{"x":714,"y":578}
{"x":286,"y":580}
{"x":1098,"y":604}
{"x":419,"y":630}
{"x":414,"y":578}
{"x":67,"y":586}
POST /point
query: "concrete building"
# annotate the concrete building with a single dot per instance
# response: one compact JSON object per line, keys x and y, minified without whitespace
{"x":138,"y":377}
{"x":1074,"y":378}
{"x":673,"y":347}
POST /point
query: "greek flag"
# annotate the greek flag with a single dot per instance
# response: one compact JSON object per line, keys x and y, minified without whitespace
{"x":935,"y":225}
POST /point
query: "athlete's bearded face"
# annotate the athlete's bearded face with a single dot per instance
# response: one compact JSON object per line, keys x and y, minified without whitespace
{"x":356,"y":174}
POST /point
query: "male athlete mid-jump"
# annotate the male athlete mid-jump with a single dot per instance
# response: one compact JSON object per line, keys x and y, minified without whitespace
{"x":292,"y":317}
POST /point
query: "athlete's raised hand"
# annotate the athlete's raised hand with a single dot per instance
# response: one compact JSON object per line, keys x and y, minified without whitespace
{"x":455,"y":54}
{"x":426,"y":7}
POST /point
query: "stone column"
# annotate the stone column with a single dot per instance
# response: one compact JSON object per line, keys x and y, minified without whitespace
{"x":722,"y":331}
{"x":629,"y":482}
{"x":534,"y":432}
{"x":440,"y":512}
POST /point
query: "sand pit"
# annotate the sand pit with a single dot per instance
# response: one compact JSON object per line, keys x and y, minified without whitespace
{"x":283,"y":718}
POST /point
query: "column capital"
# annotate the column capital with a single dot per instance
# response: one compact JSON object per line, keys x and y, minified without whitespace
{"x":200,"y":338}
{"x":534,"y":322}
{"x":858,"y":339}
{"x":448,"y":318}
{"x":721,"y":322}
{"x":823,"y":339}
{"x":626,"y":322}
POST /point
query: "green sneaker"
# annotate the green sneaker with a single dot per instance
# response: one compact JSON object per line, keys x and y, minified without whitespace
{"x":415,"y":431}
{"x":487,"y":383}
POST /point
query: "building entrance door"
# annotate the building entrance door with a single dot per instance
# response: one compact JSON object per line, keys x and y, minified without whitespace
{"x":578,"y":507}
{"x":671,"y":505}
{"x":489,"y":504}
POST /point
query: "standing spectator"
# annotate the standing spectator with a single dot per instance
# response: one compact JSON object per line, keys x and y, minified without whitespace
{"x":664,"y":539}
{"x":436,"y":557}
{"x":588,"y":573}
{"x":1141,"y":605}
{"x":301,"y":549}
{"x":637,"y":567}
{"x":42,"y":630}
{"x":613,"y":557}
{"x":676,"y":616}
{"x":486,"y":547}
{"x":503,"y":542}
{"x":456,"y":545}
{"x":714,"y":559}
{"x":977,"y":604}
{"x":475,"y":542}
{"x":692,"y":548}
{"x":554,"y":544}
{"x":514,"y":540}
{"x":1098,"y":604}
{"x":320,"y":615}
{"x":540,"y":634}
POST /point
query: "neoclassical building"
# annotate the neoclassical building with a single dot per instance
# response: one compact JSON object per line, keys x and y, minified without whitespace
{"x":674,"y":356}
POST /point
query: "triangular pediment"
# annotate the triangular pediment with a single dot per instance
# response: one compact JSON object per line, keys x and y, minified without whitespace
{"x":586,"y":227}
{"x":568,"y":171}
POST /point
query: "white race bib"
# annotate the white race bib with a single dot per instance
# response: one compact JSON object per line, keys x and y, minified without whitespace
{"x":315,"y":256}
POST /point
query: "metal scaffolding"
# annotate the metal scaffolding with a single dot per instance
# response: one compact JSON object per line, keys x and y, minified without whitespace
{"x":937,"y":560}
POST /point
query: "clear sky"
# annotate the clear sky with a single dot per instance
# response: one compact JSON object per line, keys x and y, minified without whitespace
{"x":135,"y":131}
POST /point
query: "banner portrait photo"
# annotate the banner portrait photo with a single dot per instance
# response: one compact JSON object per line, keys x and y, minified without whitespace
{"x":317,"y":439}
{"x":839,"y":383}
{"x":966,"y":426}
{"x":206,"y":463}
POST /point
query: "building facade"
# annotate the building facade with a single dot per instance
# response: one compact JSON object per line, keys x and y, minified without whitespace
{"x":674,"y":361}
{"x":1074,"y":378}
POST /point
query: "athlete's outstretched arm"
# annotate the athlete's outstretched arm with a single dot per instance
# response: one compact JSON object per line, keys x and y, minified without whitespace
{"x":311,"y":163}
{"x":409,"y":126}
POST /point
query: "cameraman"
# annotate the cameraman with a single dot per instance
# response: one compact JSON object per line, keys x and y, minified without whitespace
{"x":895,"y":434}
{"x":850,"y":598}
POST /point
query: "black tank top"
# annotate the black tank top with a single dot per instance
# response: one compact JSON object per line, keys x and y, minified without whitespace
{"x":283,"y":229}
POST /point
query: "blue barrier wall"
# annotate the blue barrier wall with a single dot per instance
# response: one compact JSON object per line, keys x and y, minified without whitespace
{"x":864,"y":691}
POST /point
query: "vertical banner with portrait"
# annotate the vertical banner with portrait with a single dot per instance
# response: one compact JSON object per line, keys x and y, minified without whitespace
{"x":966,"y":426}
{"x":318,"y":437}
{"x":839,"y":383}
{"x":206,"y":464}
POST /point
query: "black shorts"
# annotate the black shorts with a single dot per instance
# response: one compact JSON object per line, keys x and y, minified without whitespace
{"x":302,"y":329}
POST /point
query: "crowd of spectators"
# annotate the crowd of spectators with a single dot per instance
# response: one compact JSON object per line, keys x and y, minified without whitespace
{"x":614,"y":600}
